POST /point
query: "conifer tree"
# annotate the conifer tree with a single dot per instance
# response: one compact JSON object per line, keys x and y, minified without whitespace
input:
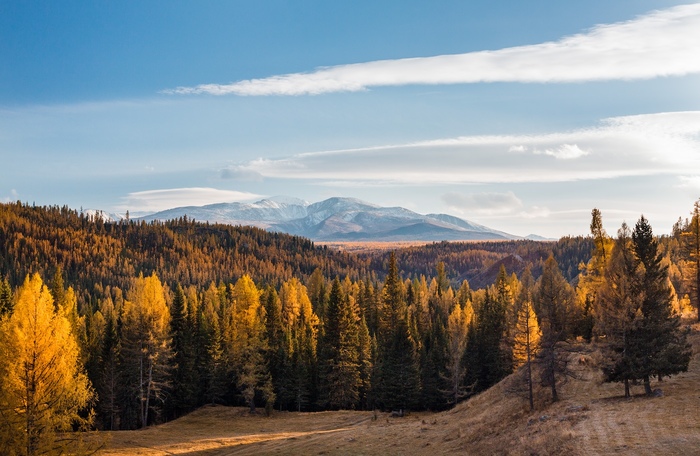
{"x":691,"y":243}
{"x":397,"y":382}
{"x":6,"y":299}
{"x":435,"y":384}
{"x":619,"y":310}
{"x":44,"y":386}
{"x":457,"y":329}
{"x":553,"y":302}
{"x":486,"y":359}
{"x":340,"y":350}
{"x":660,"y":346}
{"x":365,"y":362}
{"x":248,"y":343}
{"x":109,"y":383}
{"x":146,"y":350}
{"x":526,"y":342}
{"x":211,"y":367}
{"x":185,"y":376}
{"x":592,"y":277}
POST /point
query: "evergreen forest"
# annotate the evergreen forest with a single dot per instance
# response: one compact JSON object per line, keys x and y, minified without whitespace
{"x":123,"y":325}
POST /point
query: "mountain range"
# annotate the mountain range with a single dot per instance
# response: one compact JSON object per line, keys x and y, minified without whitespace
{"x":338,"y":219}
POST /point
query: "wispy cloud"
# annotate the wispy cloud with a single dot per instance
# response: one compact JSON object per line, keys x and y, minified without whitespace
{"x":158,"y":200}
{"x":238,"y":173}
{"x":660,"y":43}
{"x":483,"y":203}
{"x":14,"y":196}
{"x":563,"y":152}
{"x":621,"y":146}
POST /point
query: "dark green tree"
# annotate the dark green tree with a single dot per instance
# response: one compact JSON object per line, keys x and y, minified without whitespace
{"x":486,"y":358}
{"x":397,"y":380}
{"x":185,"y":380}
{"x":618,"y":310}
{"x":659,"y":345}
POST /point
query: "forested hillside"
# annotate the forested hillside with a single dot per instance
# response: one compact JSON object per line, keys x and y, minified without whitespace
{"x":170,"y":316}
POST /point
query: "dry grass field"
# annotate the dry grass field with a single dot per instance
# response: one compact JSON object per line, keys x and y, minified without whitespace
{"x":592,"y":418}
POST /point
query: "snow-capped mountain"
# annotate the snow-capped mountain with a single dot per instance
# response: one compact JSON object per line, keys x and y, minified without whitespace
{"x":337,"y":219}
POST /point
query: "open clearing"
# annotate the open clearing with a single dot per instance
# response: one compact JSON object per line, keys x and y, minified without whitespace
{"x":592,"y":418}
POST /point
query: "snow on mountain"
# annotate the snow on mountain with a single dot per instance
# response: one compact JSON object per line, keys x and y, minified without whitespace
{"x":96,"y":214}
{"x":337,"y":219}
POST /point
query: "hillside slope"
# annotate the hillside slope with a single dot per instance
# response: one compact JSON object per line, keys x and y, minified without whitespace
{"x":337,"y":219}
{"x":591,"y":419}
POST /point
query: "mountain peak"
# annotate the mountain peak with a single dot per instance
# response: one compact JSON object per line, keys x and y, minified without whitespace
{"x":339,"y":219}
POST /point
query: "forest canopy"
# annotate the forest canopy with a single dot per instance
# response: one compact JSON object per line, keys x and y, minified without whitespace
{"x":166,"y":317}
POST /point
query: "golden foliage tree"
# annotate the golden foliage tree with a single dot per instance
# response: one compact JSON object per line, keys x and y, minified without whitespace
{"x":147,"y":351}
{"x":457,"y":331}
{"x":44,"y":386}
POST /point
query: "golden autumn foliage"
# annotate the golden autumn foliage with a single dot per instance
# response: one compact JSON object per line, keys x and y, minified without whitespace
{"x":43,"y":383}
{"x":527,"y":335}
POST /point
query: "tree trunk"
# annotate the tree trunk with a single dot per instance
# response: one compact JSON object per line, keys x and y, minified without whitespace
{"x":647,"y":386}
{"x":627,"y":387}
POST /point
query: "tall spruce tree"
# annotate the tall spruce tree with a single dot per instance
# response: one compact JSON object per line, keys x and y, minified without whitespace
{"x":618,"y":310}
{"x":185,"y":376}
{"x":486,"y":358}
{"x":397,"y":382}
{"x":660,"y":347}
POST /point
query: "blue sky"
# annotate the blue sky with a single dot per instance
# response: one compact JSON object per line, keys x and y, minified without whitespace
{"x":522,"y":116}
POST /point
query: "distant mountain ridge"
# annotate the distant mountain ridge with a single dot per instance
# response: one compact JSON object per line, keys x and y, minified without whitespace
{"x":337,"y":219}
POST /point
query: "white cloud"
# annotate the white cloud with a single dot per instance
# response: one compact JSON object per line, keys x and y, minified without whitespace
{"x":14,"y":196}
{"x":484,"y":203}
{"x":689,"y":182}
{"x":238,"y":173}
{"x":517,"y":149}
{"x":158,"y":200}
{"x":622,"y":146}
{"x":564,"y":152}
{"x":659,"y":44}
{"x":536,"y":212}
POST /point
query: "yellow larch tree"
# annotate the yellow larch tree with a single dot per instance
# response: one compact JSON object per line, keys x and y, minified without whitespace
{"x":457,"y":332}
{"x":146,"y":346}
{"x":44,"y":386}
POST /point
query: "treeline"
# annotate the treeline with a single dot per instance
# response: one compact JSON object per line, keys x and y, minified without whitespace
{"x":479,"y":262}
{"x":93,"y":253}
{"x":155,"y":349}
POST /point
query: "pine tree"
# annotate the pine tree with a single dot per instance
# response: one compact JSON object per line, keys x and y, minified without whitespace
{"x":435,"y":378}
{"x":185,"y":376}
{"x":211,"y":367}
{"x":397,"y":382}
{"x":44,"y":387}
{"x":109,"y":384}
{"x":340,"y":363}
{"x":553,"y":302}
{"x":365,"y":362}
{"x":619,"y":310}
{"x":486,"y":358}
{"x":660,"y":346}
